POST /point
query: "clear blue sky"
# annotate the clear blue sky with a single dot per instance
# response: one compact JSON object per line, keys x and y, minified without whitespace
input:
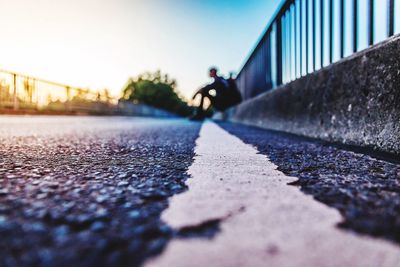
{"x":100,"y":43}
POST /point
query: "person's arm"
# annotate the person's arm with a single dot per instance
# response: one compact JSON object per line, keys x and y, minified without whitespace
{"x":208,"y":87}
{"x":198,"y":92}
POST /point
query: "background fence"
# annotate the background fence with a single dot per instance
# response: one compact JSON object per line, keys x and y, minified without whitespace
{"x":306,"y":35}
{"x":22,"y":92}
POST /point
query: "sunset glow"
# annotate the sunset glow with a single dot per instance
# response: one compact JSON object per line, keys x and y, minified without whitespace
{"x":100,"y":43}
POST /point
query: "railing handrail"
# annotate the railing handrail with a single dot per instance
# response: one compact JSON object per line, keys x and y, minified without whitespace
{"x":45,"y":81}
{"x":283,"y":4}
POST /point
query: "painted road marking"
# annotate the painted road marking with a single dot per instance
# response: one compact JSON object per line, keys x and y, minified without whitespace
{"x":267,"y":222}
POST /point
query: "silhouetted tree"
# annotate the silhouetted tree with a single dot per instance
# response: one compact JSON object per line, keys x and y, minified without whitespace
{"x":157,"y":90}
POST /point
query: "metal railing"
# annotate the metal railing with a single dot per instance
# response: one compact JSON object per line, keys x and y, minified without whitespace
{"x":306,"y":35}
{"x":23,"y":92}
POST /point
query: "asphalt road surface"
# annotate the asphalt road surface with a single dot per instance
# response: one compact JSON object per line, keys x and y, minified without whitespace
{"x":95,"y":191}
{"x":84,"y":191}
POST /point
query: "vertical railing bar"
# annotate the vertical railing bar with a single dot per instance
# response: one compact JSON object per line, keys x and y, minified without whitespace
{"x":68,"y":102}
{"x":391,"y":18}
{"x":289,"y":43}
{"x":28,"y":88}
{"x":330,"y":31}
{"x":371,"y":21}
{"x":37,"y":93}
{"x":283,"y":46}
{"x":33,"y":90}
{"x":295,"y":39}
{"x":288,"y":49}
{"x":15,"y":99}
{"x":341,"y":28}
{"x":279,"y":51}
{"x":314,"y":39}
{"x":25,"y":87}
{"x":269,"y":62}
{"x":307,"y":22}
{"x":355,"y":26}
{"x":321,"y":6}
{"x":301,"y":36}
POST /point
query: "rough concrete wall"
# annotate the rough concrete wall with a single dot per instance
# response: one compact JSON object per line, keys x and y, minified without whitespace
{"x":355,"y":101}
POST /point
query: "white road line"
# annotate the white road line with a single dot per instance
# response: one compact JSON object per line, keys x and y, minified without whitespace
{"x":278,"y":224}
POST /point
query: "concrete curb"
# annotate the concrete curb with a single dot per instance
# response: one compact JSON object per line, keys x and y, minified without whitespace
{"x":355,"y":101}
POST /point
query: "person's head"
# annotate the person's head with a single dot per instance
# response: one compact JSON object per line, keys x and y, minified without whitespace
{"x":213,"y":72}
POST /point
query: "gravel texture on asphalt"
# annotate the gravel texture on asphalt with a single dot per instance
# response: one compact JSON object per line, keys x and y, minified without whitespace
{"x":88,"y":191}
{"x":365,"y":190}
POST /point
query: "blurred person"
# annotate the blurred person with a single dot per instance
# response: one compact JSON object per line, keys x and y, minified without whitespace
{"x":222,"y":94}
